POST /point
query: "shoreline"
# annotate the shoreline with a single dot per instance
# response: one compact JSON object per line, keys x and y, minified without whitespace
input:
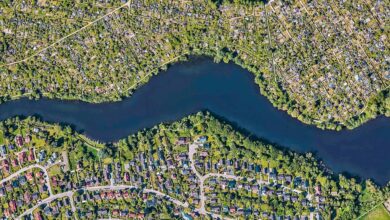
{"x":349,"y":124}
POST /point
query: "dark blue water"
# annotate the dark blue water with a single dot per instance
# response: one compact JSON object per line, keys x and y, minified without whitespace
{"x":230,"y":92}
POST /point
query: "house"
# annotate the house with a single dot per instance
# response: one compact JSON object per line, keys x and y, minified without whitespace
{"x":186,"y":216}
{"x":54,"y":181}
{"x":19,"y":140}
{"x":202,"y":139}
{"x":317,"y":189}
{"x":14,"y":162}
{"x":7,"y":213}
{"x":255,"y":189}
{"x":35,"y":196}
{"x":22,"y":180}
{"x":123,"y":213}
{"x":22,"y":157}
{"x":27,"y":139}
{"x":102,"y":212}
{"x":126,"y":177}
{"x":39,"y":174}
{"x":2,"y":192}
{"x":126,"y":195}
{"x":43,"y":188}
{"x":183,"y":140}
{"x":41,"y":155}
{"x":294,"y":198}
{"x":66,"y":201}
{"x":97,"y":197}
{"x":115,"y":212}
{"x":37,"y":216}
{"x":118,"y":195}
{"x":304,"y":202}
{"x":288,"y":178}
{"x":5,"y":165}
{"x":68,"y":213}
{"x":3,"y":151}
{"x":216,"y":209}
{"x":12,"y":206}
{"x":27,"y":197}
{"x":29,"y":176}
{"x":31,"y":156}
{"x":79,"y":165}
{"x":60,"y":204}
{"x":161,"y":154}
{"x":203,"y":154}
{"x":47,"y":211}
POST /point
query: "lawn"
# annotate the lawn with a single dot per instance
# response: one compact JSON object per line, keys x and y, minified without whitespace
{"x":54,"y":170}
{"x":379,"y":213}
{"x":1,"y":138}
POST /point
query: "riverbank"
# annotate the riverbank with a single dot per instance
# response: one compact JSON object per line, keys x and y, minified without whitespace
{"x":378,"y":104}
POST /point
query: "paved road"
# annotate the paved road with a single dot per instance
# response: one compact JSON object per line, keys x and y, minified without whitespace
{"x":191,"y":152}
{"x":97,"y":188}
{"x":16,"y":174}
{"x":202,"y":178}
{"x":48,"y":200}
{"x":119,"y":187}
{"x":202,"y":209}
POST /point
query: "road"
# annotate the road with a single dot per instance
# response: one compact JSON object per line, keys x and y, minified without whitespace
{"x":120,"y":187}
{"x":97,"y":188}
{"x":48,"y":200}
{"x":202,"y":178}
{"x":46,"y":176}
{"x":202,"y":209}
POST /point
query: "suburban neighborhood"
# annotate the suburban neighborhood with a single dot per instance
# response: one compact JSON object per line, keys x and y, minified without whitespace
{"x":50,"y":172}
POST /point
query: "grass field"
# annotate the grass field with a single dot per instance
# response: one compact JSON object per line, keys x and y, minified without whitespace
{"x":54,"y":170}
{"x":1,"y":138}
{"x":379,"y":213}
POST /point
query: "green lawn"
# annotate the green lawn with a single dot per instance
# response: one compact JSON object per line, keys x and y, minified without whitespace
{"x":1,"y":138}
{"x":55,"y":170}
{"x":379,"y":213}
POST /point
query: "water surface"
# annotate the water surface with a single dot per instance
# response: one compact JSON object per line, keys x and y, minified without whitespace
{"x":230,"y":92}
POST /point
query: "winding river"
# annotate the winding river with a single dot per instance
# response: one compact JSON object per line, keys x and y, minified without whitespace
{"x":230,"y":92}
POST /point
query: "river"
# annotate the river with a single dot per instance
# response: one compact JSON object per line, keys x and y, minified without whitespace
{"x":228,"y":91}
